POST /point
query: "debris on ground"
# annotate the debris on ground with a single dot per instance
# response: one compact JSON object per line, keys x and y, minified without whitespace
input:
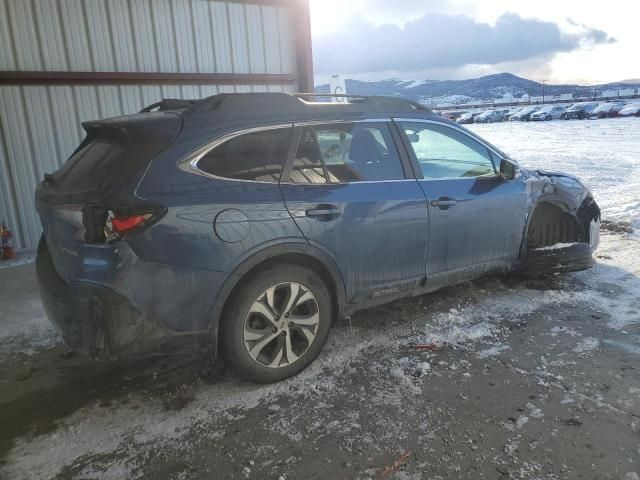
{"x":402,"y":459}
{"x":616,"y":226}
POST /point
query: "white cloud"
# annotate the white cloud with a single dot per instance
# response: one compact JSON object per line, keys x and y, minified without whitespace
{"x":583,"y":52}
{"x":438,"y":40}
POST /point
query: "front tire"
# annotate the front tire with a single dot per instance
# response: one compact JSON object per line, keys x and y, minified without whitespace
{"x":546,"y":261}
{"x":276,"y":323}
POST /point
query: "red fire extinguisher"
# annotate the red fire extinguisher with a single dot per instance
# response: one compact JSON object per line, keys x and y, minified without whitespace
{"x":6,"y":240}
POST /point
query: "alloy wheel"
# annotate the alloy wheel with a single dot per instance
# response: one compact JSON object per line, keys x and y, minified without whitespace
{"x":281,"y":324}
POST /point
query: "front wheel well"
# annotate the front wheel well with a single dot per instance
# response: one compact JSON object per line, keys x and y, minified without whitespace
{"x":550,"y":224}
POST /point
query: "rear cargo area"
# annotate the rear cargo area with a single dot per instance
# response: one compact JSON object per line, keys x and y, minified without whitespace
{"x":103,"y":171}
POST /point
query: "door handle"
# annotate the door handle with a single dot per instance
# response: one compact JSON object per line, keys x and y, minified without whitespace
{"x":323,"y":212}
{"x":444,"y":202}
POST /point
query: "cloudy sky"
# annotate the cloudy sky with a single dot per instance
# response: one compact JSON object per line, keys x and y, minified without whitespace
{"x":562,"y":41}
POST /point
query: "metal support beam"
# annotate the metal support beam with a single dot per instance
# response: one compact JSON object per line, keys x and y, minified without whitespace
{"x":141,"y":78}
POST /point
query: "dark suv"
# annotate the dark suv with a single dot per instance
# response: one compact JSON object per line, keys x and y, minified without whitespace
{"x":247,"y":223}
{"x":579,"y":111}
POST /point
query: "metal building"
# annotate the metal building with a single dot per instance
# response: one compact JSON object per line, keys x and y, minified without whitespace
{"x":66,"y":61}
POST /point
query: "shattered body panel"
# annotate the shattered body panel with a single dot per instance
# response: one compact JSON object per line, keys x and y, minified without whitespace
{"x":567,"y":194}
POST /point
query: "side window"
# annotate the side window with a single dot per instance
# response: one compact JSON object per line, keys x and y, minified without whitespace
{"x":250,"y":156}
{"x":346,"y":152}
{"x":443,"y":152}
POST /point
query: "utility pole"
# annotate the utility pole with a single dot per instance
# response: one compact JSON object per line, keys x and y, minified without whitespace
{"x":543,"y":81}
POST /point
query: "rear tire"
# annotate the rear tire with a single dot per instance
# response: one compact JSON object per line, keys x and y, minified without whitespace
{"x":543,"y":262}
{"x":276,"y":324}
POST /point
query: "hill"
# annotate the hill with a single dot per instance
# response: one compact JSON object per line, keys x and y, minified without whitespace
{"x":483,"y":88}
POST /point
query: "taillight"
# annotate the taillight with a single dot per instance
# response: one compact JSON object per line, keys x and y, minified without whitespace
{"x":122,"y":225}
{"x":110,"y":224}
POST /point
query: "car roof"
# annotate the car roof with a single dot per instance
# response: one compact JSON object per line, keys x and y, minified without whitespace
{"x":217,"y":115}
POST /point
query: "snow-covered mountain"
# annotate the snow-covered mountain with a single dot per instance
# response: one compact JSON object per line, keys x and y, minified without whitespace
{"x":484,"y":88}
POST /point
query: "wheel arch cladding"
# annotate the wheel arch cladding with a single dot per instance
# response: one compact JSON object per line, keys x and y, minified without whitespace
{"x":297,"y":254}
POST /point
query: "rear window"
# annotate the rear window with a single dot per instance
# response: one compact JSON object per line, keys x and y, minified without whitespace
{"x":93,"y":160}
{"x":257,"y":156}
{"x":107,"y":156}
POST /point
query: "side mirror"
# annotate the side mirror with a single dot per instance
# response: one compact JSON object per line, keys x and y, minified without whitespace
{"x":508,"y":170}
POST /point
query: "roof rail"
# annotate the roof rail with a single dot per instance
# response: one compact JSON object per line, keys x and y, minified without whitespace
{"x":269,"y":103}
{"x":332,"y":95}
{"x":378,"y":100}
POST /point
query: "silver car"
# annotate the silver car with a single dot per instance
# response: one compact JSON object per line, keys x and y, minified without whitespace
{"x":548,"y":112}
{"x":490,"y":116}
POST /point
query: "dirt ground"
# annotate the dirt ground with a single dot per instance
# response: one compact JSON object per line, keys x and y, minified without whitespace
{"x":521,"y":380}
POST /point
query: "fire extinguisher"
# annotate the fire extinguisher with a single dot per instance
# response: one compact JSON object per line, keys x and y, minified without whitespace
{"x":6,"y":240}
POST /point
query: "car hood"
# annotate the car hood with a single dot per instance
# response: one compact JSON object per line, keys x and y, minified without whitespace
{"x":551,"y":173}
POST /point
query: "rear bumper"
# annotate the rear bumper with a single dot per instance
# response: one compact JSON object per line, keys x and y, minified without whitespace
{"x":98,"y":322}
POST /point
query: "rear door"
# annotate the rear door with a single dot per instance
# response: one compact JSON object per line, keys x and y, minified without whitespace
{"x":351,"y":194}
{"x":476,"y":217}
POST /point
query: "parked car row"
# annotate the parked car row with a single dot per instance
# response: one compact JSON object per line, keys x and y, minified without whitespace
{"x":577,"y":111}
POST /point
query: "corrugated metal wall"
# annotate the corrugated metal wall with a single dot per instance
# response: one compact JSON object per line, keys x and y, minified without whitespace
{"x":40,"y":125}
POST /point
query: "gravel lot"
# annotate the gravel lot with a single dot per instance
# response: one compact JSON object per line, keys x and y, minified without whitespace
{"x":525,"y":380}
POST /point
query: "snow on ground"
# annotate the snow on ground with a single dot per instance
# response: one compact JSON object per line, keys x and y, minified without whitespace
{"x":25,"y":327}
{"x":142,"y":425}
{"x":22,"y":258}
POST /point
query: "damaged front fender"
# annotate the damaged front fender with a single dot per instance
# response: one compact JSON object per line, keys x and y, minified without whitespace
{"x":561,"y":210}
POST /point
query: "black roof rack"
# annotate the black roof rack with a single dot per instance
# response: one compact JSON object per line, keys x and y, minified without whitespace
{"x":269,"y":103}
{"x":169,"y":104}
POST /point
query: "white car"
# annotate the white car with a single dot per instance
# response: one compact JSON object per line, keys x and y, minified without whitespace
{"x":631,"y":110}
{"x":549,"y":112}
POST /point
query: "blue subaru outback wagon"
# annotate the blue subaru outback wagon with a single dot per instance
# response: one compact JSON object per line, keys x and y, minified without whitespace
{"x":247,"y":223}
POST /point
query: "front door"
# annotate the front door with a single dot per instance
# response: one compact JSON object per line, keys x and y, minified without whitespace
{"x":476,"y":217}
{"x":348,"y":190}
